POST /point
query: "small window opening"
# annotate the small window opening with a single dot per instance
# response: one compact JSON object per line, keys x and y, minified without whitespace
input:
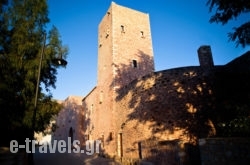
{"x":111,"y":136}
{"x":122,"y":29}
{"x":142,"y":34}
{"x":134,"y":63}
{"x":108,"y":13}
{"x":107,"y":33}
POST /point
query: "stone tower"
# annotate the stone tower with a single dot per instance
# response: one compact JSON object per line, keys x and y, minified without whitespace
{"x":124,"y":54}
{"x":205,"y":56}
{"x":124,"y":47}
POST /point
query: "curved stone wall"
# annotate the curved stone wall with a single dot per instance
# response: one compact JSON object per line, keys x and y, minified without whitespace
{"x":167,"y":105}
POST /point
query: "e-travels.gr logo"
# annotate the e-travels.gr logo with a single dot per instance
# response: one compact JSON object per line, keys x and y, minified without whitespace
{"x":61,"y":146}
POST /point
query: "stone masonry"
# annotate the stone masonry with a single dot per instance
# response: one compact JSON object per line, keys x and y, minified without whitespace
{"x":140,"y":114}
{"x":69,"y":120}
{"x":124,"y":54}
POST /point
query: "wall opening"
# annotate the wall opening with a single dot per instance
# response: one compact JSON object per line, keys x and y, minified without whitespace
{"x":107,"y":33}
{"x":142,"y":34}
{"x":122,"y":29}
{"x":134,"y":63}
{"x":111,"y":136}
{"x":139,"y":150}
{"x":71,"y":134}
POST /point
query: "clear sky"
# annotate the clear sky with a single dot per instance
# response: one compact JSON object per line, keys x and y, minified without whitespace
{"x":177,"y":29}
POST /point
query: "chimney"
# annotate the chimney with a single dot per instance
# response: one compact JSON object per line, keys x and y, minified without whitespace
{"x":205,"y":56}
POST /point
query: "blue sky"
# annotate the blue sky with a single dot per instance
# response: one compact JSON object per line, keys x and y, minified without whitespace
{"x":177,"y":29}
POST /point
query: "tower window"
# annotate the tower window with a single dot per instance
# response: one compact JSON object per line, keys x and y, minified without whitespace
{"x":107,"y":33}
{"x":122,"y":29}
{"x":111,"y":136}
{"x":142,"y":34}
{"x":134,"y":63}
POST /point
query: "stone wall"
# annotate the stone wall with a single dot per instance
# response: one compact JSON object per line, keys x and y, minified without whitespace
{"x":132,"y":45}
{"x":98,"y":119}
{"x":182,"y":104}
{"x":124,"y":54}
{"x":69,"y":120}
{"x":205,"y":56}
{"x":132,"y":104}
{"x":229,"y":151}
{"x":166,"y":105}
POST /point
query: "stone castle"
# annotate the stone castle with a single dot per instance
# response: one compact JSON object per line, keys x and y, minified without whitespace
{"x":139,"y":113}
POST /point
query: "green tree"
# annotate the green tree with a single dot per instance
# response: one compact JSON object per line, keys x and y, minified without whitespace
{"x":226,"y":10}
{"x":22,"y":31}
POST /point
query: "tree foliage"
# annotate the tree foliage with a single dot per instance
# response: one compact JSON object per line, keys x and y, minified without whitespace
{"x":22,"y":31}
{"x":227,"y":10}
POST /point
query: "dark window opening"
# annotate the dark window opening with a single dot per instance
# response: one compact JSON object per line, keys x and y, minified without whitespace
{"x":122,"y":29}
{"x":71,"y":134}
{"x":107,"y":33}
{"x":111,"y":136}
{"x":142,"y":34}
{"x":134,"y":63}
